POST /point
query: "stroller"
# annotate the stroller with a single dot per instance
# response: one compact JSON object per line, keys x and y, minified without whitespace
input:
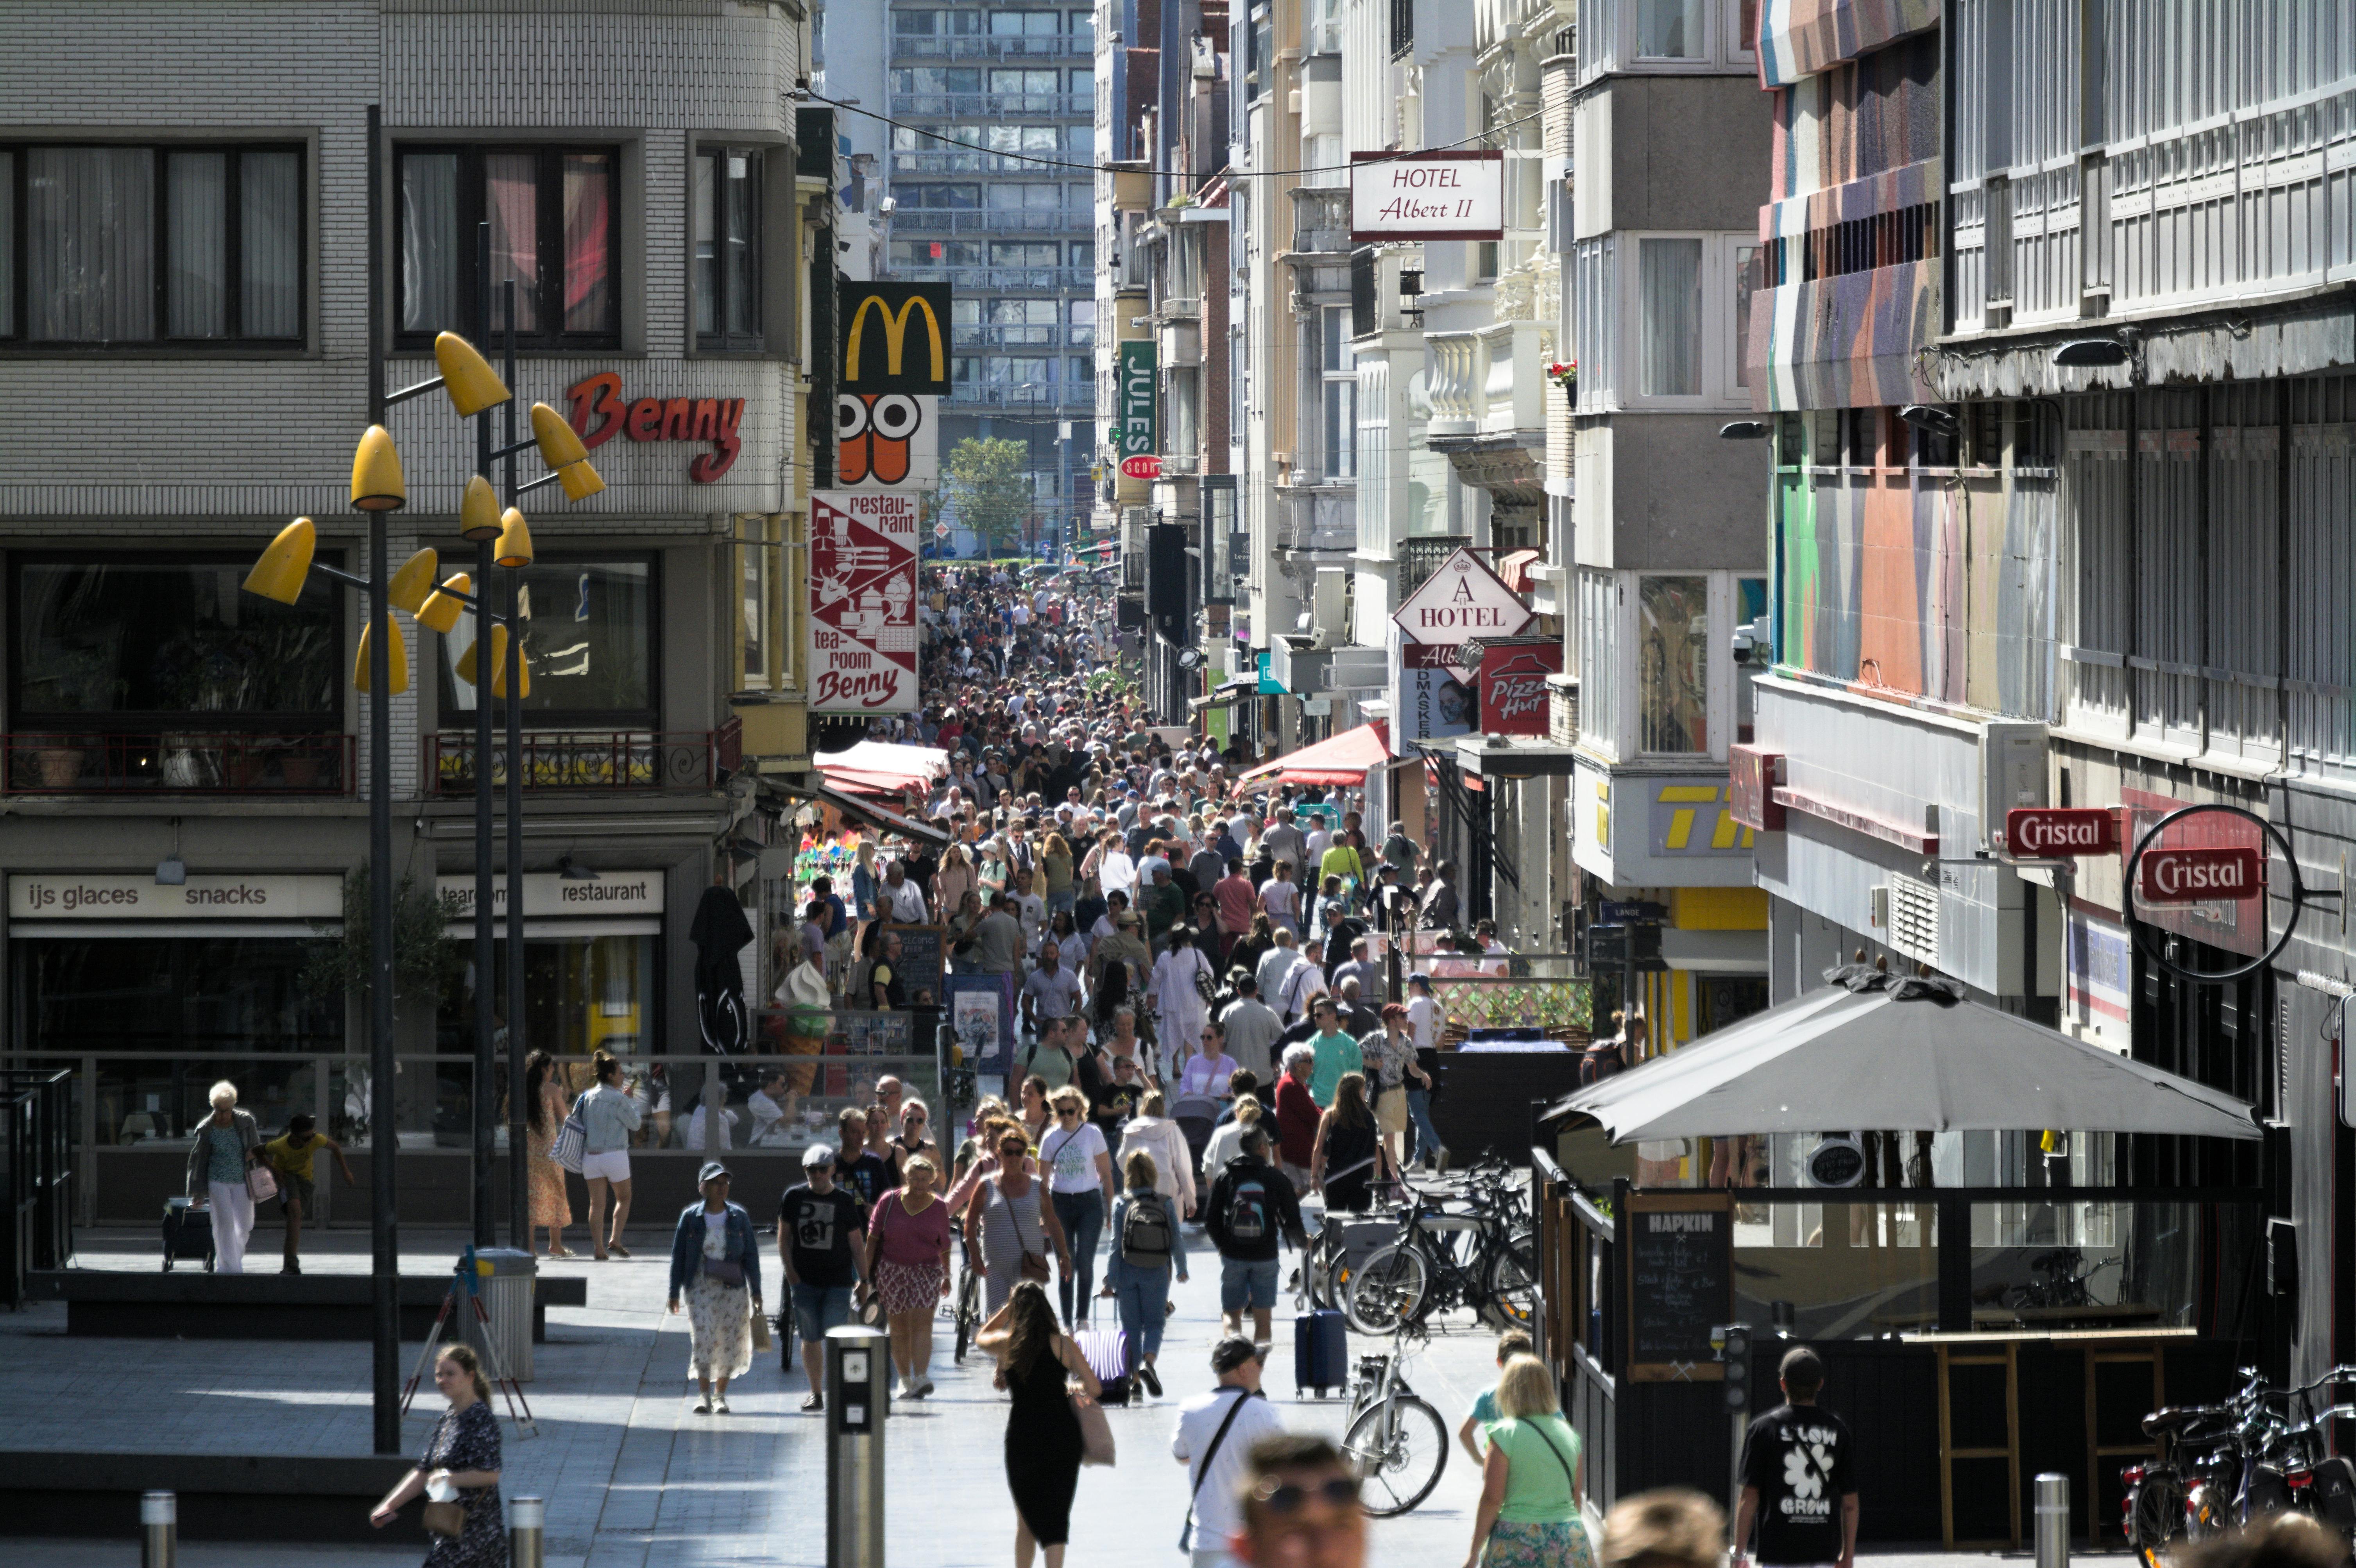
{"x":1196,"y":1114}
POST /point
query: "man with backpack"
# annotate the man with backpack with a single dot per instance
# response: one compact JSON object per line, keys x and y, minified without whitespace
{"x":1252,"y":1207}
{"x":1214,"y":1441}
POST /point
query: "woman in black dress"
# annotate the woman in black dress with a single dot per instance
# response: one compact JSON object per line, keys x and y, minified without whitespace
{"x":1043,"y":1435}
{"x":464,"y":1451}
{"x":1351,"y":1159}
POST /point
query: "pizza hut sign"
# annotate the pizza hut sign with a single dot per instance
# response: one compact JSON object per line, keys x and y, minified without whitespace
{"x":1513,"y":683}
{"x":598,"y":411}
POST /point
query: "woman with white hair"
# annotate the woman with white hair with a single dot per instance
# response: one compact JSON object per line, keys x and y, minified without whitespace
{"x":222,"y":1153}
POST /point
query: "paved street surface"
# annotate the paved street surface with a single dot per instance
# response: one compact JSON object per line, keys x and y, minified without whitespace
{"x":632,"y":1476}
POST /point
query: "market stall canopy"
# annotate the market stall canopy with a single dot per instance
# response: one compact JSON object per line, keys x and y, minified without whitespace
{"x":848,"y":801}
{"x":885,"y":759}
{"x":1344,"y":760}
{"x":1873,"y":1050}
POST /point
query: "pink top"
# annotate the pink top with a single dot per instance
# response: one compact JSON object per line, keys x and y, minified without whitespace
{"x":910,"y":1238}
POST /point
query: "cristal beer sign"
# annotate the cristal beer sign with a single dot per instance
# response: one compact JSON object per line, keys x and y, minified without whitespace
{"x":2198,"y":876}
{"x":2049,"y":833}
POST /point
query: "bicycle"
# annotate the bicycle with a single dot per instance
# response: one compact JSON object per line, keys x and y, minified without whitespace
{"x":967,"y":1311}
{"x":1394,"y":1441}
{"x":1420,"y":1274}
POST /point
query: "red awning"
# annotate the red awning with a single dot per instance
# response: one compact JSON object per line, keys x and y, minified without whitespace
{"x":1514,"y":568}
{"x":1344,"y":760}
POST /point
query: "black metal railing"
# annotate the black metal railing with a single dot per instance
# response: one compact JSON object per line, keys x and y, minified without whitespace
{"x":1365,"y":308}
{"x":36,"y":1168}
{"x":1402,"y":27}
{"x":596,"y":759}
{"x":175,"y":762}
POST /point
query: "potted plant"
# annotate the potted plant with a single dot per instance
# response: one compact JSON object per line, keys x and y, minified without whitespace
{"x":1564,"y":373}
{"x":80,"y":680}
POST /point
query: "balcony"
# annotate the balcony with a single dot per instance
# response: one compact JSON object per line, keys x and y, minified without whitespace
{"x":1036,"y":280}
{"x":910,"y":223}
{"x":991,"y":395}
{"x":1320,"y":221}
{"x":1491,"y":381}
{"x":1317,"y":517}
{"x":982,"y":108}
{"x":1058,"y":47}
{"x":177,"y":763}
{"x":594,"y":761}
{"x":967,"y":335}
{"x":959,"y":160}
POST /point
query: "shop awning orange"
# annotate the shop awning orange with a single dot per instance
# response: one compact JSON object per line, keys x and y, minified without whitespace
{"x":1344,"y":760}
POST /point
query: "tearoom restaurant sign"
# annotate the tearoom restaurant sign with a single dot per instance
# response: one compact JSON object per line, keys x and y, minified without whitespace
{"x":137,"y":896}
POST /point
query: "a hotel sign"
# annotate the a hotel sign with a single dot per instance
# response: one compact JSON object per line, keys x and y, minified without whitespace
{"x":1427,"y":196}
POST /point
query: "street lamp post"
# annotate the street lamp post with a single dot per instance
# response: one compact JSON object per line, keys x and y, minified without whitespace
{"x":518,"y":1179}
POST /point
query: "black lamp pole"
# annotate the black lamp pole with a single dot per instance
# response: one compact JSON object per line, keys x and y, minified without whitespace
{"x":486,"y":985}
{"x":518,"y":1196}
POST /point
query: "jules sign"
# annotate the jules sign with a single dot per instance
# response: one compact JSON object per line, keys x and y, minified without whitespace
{"x":1427,"y":196}
{"x":598,"y":411}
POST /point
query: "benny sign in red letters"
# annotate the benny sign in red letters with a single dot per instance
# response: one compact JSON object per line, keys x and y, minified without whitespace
{"x":863,"y":619}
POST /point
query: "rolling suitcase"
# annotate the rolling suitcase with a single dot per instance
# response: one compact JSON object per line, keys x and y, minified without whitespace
{"x":1107,"y":1353}
{"x":187,"y":1231}
{"x":1321,"y":1351}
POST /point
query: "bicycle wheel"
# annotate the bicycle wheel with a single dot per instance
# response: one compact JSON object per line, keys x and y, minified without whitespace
{"x":1513,"y":1286}
{"x":1390,"y":1285}
{"x":969,"y":1312}
{"x":2156,"y":1517}
{"x":1398,"y":1450}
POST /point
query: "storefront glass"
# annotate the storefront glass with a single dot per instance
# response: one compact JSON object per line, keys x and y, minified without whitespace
{"x":581,"y":995}
{"x":589,"y":636}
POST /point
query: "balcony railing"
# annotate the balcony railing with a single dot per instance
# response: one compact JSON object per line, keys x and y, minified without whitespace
{"x":968,"y":334}
{"x":1320,"y":219}
{"x":176,"y":763}
{"x":595,"y":760}
{"x":911,"y":221}
{"x":1038,"y":280}
{"x":1061,"y":46}
{"x":1011,"y":395}
{"x":958,"y":160}
{"x":1490,"y":381}
{"x":982,"y":108}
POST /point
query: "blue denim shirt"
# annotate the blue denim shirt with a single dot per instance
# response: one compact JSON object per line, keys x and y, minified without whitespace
{"x":687,"y":1248}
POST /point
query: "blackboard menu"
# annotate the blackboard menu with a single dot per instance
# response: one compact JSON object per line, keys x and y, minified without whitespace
{"x":923,"y":949}
{"x":1680,"y":1262}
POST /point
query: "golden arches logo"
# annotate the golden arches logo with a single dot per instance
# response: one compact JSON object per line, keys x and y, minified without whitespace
{"x":895,"y":336}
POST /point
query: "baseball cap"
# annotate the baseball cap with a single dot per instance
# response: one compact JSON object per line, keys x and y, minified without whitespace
{"x":712,"y":1171}
{"x":816,"y":1154}
{"x":1232,"y":1351}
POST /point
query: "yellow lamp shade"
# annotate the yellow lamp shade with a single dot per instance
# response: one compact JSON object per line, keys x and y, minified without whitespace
{"x":478,"y":510}
{"x":413,"y":580}
{"x":579,"y":480}
{"x":396,"y":649}
{"x":514,"y":548}
{"x":558,"y":444}
{"x":468,"y":377}
{"x":377,"y":484}
{"x":467,"y":668}
{"x":280,"y":573}
{"x":440,"y":612}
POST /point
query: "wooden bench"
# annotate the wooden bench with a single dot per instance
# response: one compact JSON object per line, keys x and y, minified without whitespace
{"x":115,"y":1304}
{"x":222,"y":1497}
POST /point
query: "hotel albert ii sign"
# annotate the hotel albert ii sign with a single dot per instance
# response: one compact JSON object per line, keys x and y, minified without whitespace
{"x":1427,"y":196}
{"x":863,"y":619}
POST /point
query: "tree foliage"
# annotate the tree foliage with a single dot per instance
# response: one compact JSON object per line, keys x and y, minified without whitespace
{"x":988,"y":477}
{"x":421,"y":958}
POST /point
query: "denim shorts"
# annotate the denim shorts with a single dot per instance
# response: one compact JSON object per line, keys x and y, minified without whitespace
{"x":1247,"y":1284}
{"x":818,"y":1308}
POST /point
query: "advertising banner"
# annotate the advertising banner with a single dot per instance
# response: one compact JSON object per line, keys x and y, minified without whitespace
{"x":895,"y":367}
{"x":1513,"y":697}
{"x":863,"y":611}
{"x":1138,"y":431}
{"x":1427,"y":196}
{"x":1437,"y":698}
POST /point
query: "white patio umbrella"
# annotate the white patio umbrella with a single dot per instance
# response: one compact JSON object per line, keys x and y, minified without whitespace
{"x":1874,"y":1051}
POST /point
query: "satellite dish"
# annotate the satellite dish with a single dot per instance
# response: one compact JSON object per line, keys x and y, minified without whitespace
{"x":1190,"y":659}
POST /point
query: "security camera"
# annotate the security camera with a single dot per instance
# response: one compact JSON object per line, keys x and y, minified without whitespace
{"x":1754,"y":640}
{"x":1744,"y":642}
{"x":887,"y":206}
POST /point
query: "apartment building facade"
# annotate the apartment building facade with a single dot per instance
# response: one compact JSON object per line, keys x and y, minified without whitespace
{"x":184,"y":366}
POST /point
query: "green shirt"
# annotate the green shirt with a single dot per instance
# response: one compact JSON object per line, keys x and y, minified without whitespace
{"x":1336,"y":1055}
{"x":1342,"y":860}
{"x":1164,"y":906}
{"x":1542,"y":1456}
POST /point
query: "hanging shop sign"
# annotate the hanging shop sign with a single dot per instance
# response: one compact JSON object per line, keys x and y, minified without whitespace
{"x":137,"y":896}
{"x":1513,"y":695}
{"x":894,"y":371}
{"x":1463,"y":600}
{"x":862,"y":612}
{"x":2050,"y":832}
{"x":2196,"y":875}
{"x":1137,"y":430}
{"x":2179,"y":871}
{"x":890,"y":441}
{"x":598,"y":411}
{"x":1427,"y":196}
{"x":550,"y":893}
{"x":1437,"y":698}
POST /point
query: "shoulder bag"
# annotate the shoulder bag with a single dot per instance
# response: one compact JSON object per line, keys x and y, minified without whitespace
{"x":1186,"y":1531}
{"x":728,"y":1271}
{"x":1590,"y":1518}
{"x":1034,"y":1264}
{"x":1205,"y":986}
{"x":1095,"y":1429}
{"x":260,"y":1182}
{"x":572,"y":1144}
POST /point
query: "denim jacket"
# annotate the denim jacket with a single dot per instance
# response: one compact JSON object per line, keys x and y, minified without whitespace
{"x":609,"y":1116}
{"x":687,"y":1248}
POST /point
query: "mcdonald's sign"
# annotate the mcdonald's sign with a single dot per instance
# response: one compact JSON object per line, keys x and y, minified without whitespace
{"x":895,"y":338}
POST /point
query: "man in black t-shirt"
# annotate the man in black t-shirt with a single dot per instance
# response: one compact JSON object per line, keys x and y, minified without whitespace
{"x":818,"y":1236}
{"x":858,"y":1170}
{"x":1799,"y":1469}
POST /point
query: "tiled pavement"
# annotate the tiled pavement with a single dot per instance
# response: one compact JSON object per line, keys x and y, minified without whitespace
{"x":634,"y":1479}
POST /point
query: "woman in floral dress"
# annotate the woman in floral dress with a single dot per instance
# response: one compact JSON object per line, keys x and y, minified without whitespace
{"x":464,"y":1451}
{"x":715,"y":1260}
{"x":545,"y":1105}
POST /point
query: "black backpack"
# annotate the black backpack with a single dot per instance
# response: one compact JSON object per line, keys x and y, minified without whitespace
{"x":1247,"y":1216}
{"x":1145,"y":1242}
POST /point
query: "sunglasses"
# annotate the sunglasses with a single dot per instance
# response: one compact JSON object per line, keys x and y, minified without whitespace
{"x":1284,"y":1498}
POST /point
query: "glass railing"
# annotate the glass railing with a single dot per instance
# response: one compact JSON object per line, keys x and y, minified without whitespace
{"x":1058,"y":46}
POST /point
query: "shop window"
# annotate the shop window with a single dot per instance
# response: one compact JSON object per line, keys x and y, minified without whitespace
{"x":589,"y":634}
{"x":129,"y":244}
{"x":553,"y":215}
{"x":122,"y":643}
{"x":593,"y":992}
{"x":1673,"y":667}
{"x":728,"y":248}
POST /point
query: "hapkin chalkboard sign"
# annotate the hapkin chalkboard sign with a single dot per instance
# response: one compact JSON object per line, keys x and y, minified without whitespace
{"x":1680,"y":1273}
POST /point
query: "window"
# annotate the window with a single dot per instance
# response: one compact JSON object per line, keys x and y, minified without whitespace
{"x":581,"y":994}
{"x":1007,"y":196}
{"x":1746,"y":279}
{"x":1021,"y":82}
{"x":1669,"y":288}
{"x":1084,"y":84}
{"x":936,"y":24}
{"x":932,"y":79}
{"x":937,"y":252}
{"x":111,"y":245}
{"x":1018,"y":369}
{"x":1076,"y":370}
{"x":1023,"y":313}
{"x":728,"y":249}
{"x":1040,"y":140}
{"x":1339,"y":371}
{"x":1084,"y":254}
{"x":1670,"y":29}
{"x":589,"y":634}
{"x":554,"y":234}
{"x":1673,"y":665}
{"x":1750,"y":608}
{"x":126,"y":642}
{"x":1083,"y":26}
{"x":1026,"y":23}
{"x":954,"y":198}
{"x":1084,"y":323}
{"x":1020,"y":253}
{"x":756,"y":617}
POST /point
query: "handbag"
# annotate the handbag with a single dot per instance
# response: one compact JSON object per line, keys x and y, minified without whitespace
{"x":761,"y":1340}
{"x":1206,"y":986}
{"x":572,"y":1144}
{"x":447,"y":1521}
{"x":1034,"y":1264}
{"x":1096,"y":1429}
{"x":260,"y":1185}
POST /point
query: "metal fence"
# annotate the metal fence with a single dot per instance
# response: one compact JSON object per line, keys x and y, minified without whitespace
{"x":36,"y":1202}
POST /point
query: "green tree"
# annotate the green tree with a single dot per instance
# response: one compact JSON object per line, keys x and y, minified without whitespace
{"x":990,"y":480}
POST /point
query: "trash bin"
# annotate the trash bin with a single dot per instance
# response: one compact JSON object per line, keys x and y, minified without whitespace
{"x":507,"y":1278}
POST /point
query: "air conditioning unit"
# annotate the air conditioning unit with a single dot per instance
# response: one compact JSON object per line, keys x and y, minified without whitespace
{"x":1326,"y":607}
{"x":2013,"y":773}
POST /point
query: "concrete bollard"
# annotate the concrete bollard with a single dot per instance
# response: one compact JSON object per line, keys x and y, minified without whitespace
{"x":159,"y":1529}
{"x":527,"y":1532}
{"x":2052,"y":1520}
